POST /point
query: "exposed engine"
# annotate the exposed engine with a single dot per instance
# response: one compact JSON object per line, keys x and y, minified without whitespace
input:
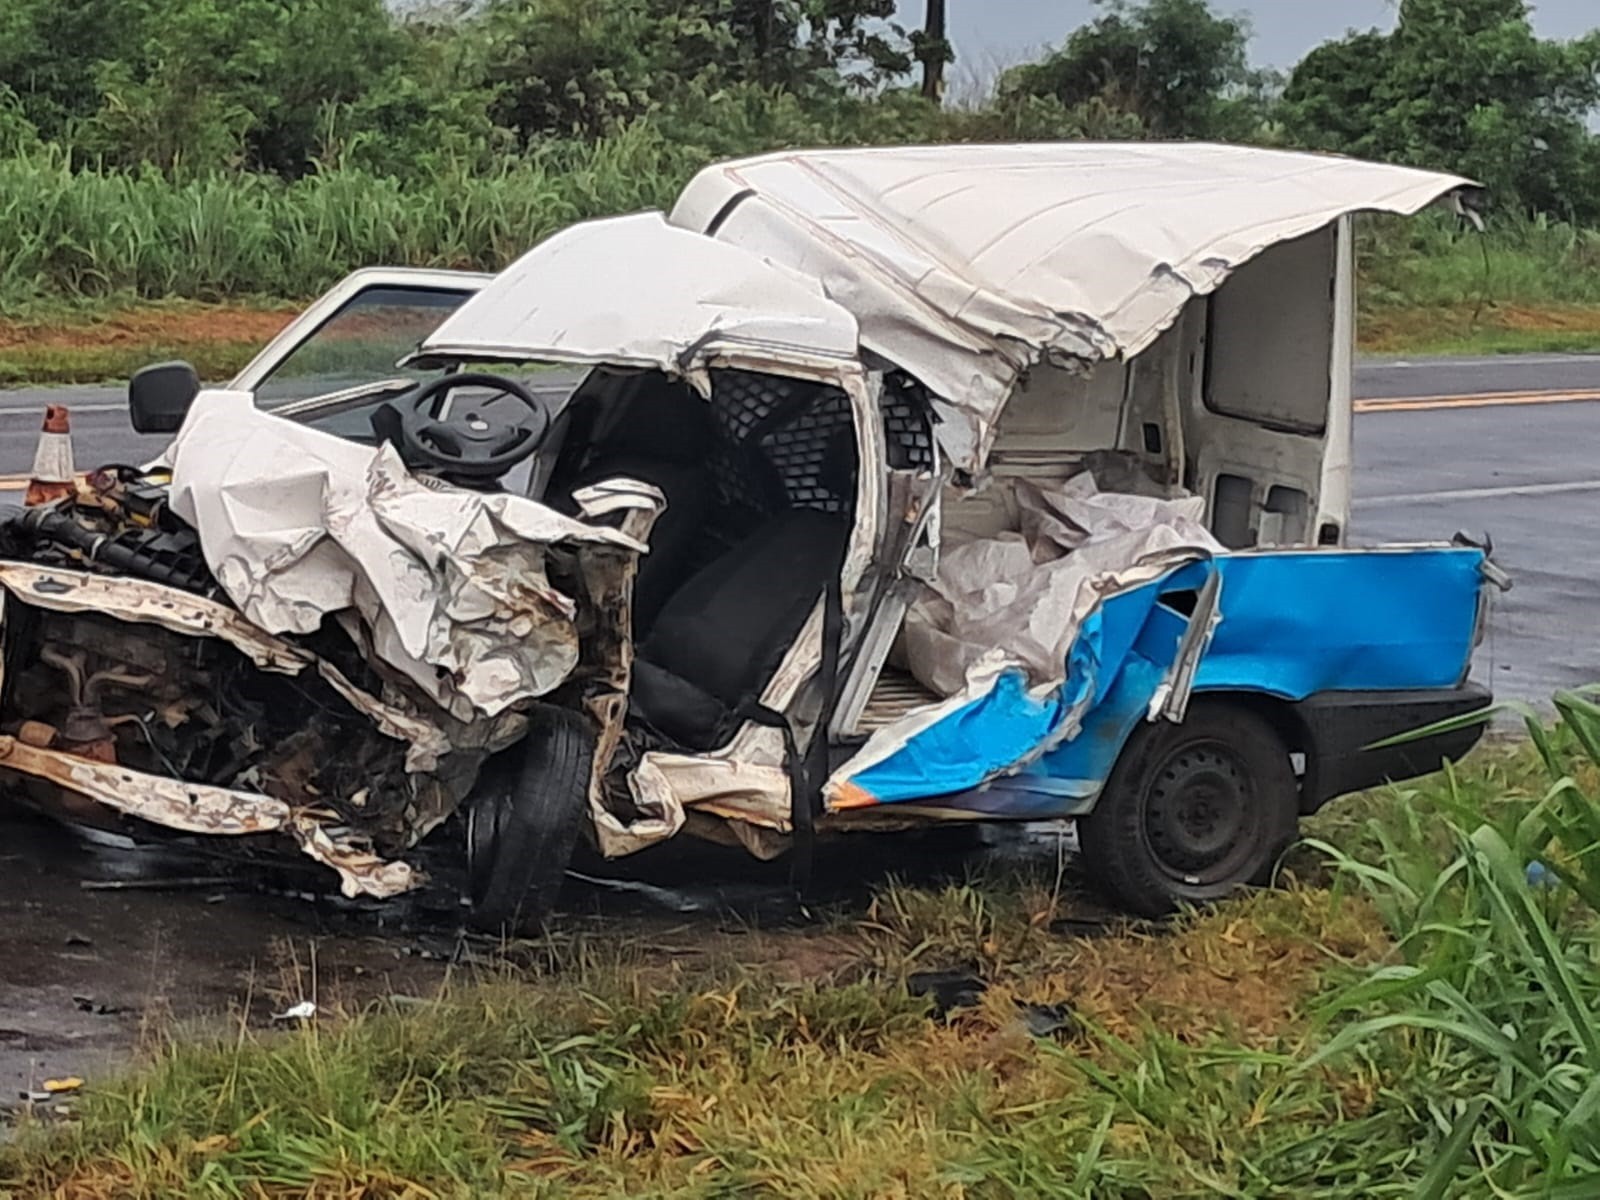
{"x":117,"y":521}
{"x":189,"y":708}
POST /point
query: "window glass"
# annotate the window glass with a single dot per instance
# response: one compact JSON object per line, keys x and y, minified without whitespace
{"x":361,"y":343}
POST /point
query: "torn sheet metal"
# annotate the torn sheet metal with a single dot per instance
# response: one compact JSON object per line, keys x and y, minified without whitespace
{"x":998,"y":724}
{"x":745,"y":791}
{"x":1386,"y":619}
{"x":448,"y":586}
{"x":965,"y":264}
{"x":426,"y":742}
{"x":143,"y":602}
{"x":188,"y":807}
{"x":742,"y":787}
{"x":635,"y":291}
{"x":216,"y":811}
{"x":361,"y":872}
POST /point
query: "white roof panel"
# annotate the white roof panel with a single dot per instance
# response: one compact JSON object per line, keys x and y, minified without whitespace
{"x":635,"y":291}
{"x":965,"y":263}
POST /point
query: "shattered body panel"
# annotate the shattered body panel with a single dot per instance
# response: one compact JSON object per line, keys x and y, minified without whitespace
{"x":171,"y":708}
{"x":162,"y":706}
{"x":1367,"y":622}
{"x":446,"y":586}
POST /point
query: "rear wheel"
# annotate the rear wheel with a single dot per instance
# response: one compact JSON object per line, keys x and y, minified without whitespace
{"x":1192,"y":811}
{"x":521,"y":832}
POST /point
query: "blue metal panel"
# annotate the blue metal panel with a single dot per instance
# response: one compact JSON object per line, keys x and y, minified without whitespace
{"x":1293,"y":623}
{"x":1298,"y":622}
{"x":1007,"y":724}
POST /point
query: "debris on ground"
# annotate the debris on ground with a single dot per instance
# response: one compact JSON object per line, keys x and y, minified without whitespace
{"x":1048,"y":1020}
{"x":950,"y":989}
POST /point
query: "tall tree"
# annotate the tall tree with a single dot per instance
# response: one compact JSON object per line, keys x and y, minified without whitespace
{"x":1461,"y":85}
{"x":1175,"y":65}
{"x":583,"y":66}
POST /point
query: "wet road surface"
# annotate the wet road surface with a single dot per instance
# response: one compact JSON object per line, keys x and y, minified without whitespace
{"x":102,"y":948}
{"x":83,"y":971}
{"x":1530,"y":480}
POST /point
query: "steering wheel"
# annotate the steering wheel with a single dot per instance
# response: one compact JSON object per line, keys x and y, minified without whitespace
{"x":469,"y":445}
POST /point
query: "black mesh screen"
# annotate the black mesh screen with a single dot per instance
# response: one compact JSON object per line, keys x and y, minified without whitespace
{"x":785,"y":443}
{"x":907,"y":424}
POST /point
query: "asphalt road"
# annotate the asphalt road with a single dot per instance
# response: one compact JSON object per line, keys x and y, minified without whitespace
{"x":1524,"y":473}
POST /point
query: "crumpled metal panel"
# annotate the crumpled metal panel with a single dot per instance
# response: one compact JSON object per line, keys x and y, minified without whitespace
{"x":188,"y":807}
{"x":143,"y":602}
{"x":447,"y":586}
{"x":215,"y":811}
{"x":966,"y":264}
{"x":361,"y":872}
{"x":1020,"y":598}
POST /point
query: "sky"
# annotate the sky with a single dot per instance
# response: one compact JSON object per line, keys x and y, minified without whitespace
{"x":992,"y":34}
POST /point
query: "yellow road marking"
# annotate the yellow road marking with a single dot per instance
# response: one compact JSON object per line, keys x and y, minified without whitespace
{"x":1476,"y":400}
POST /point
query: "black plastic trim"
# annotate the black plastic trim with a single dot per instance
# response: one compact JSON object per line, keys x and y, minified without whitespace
{"x":1341,"y":728}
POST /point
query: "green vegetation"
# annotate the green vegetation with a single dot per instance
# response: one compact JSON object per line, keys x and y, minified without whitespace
{"x":261,"y":148}
{"x":1413,"y":1017}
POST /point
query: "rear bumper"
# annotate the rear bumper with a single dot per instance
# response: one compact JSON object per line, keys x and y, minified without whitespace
{"x":1340,"y":728}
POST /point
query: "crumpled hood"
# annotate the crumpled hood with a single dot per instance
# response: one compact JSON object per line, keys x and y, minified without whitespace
{"x":447,"y":586}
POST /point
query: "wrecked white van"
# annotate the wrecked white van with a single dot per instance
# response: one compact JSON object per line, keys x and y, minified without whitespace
{"x":902,"y":486}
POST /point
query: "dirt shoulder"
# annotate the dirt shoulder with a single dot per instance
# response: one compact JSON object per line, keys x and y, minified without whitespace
{"x":92,"y":348}
{"x":219,"y":339}
{"x":1475,"y":330}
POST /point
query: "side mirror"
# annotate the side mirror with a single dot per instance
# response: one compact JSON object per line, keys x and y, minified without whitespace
{"x":159,"y":396}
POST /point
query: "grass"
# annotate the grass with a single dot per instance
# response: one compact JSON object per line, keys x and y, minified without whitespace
{"x":70,"y":235}
{"x":107,"y":343}
{"x":1464,"y":330}
{"x":1409,"y":1018}
{"x":1428,"y":286}
{"x":81,"y":249}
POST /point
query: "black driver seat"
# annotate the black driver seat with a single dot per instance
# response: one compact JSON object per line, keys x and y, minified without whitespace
{"x":660,"y":437}
{"x":719,"y":638}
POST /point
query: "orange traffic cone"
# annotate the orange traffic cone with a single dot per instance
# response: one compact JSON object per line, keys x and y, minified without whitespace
{"x":52,"y":461}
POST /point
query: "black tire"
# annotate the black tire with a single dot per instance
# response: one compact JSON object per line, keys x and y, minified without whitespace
{"x":521,"y":832}
{"x":1192,"y":812}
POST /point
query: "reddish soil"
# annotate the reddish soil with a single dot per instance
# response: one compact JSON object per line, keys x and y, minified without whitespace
{"x":1395,"y":330}
{"x":156,"y":325}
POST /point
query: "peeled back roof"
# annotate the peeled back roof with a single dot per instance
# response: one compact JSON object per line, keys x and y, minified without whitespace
{"x":964,"y":264}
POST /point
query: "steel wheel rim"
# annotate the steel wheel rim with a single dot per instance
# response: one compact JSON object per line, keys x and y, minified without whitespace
{"x":1197,"y":814}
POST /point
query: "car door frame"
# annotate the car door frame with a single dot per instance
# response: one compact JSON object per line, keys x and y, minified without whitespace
{"x":304,"y":327}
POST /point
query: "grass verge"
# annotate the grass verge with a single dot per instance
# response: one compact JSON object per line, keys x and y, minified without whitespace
{"x":1326,"y":1040}
{"x":1463,"y":329}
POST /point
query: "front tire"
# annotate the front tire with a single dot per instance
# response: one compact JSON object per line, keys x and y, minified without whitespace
{"x":522,"y":833}
{"x":1192,"y":812}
